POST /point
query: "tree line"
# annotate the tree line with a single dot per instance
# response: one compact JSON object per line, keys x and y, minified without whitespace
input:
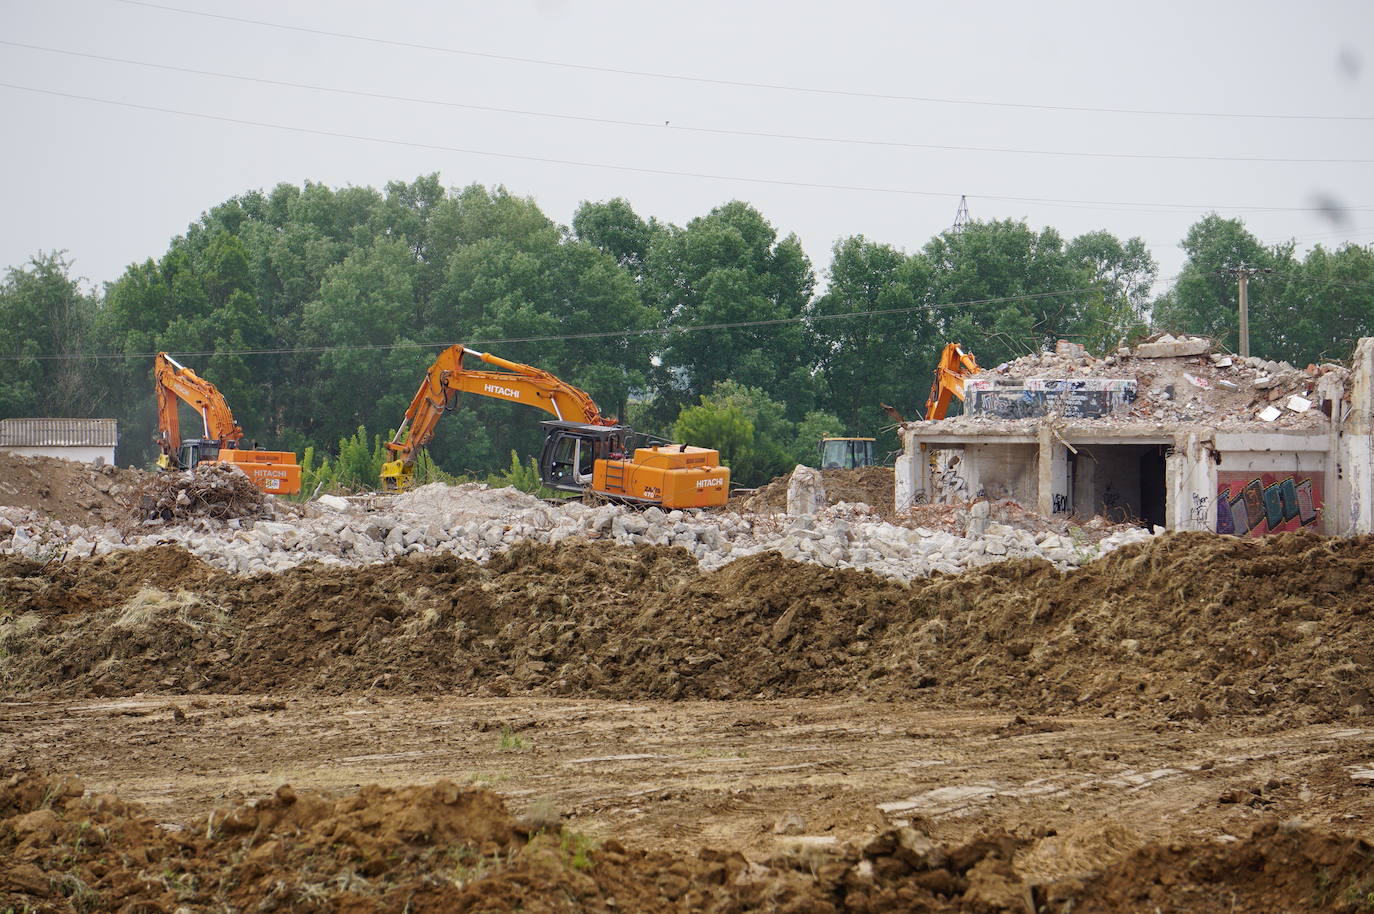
{"x":316,"y":311}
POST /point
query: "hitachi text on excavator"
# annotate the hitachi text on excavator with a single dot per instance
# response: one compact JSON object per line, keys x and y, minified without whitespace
{"x":583,"y":451}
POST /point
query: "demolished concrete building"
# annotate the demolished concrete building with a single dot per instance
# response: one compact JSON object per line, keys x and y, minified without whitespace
{"x":1171,"y":433}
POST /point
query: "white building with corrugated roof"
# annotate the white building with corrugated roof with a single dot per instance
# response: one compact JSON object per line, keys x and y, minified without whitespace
{"x":84,"y":440}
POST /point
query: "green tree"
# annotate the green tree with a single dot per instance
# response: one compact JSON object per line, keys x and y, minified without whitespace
{"x":757,"y":448}
{"x":1002,"y":259}
{"x":1302,"y":310}
{"x":866,"y":360}
{"x":729,"y":267}
{"x":1204,"y":300}
{"x":1124,"y":273}
{"x":48,"y":322}
{"x":1325,"y":306}
{"x":614,"y":227}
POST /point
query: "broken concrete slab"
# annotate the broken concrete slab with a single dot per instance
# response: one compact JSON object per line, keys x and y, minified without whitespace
{"x":1172,"y":349}
{"x":1299,"y":404}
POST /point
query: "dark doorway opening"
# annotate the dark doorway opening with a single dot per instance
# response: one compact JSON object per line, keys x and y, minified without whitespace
{"x":1122,"y":482}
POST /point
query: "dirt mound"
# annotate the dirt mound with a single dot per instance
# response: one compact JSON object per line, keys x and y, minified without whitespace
{"x":445,"y":848}
{"x":1279,"y":868}
{"x":218,"y":490}
{"x":72,"y":492}
{"x":1184,"y":627}
{"x":872,"y":486}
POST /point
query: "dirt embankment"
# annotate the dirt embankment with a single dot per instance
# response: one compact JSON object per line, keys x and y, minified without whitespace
{"x":445,"y":848}
{"x":872,"y":486}
{"x":1184,"y":626}
{"x":72,"y":492}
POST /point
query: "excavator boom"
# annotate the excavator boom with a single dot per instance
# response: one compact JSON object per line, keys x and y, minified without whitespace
{"x":176,"y":381}
{"x":516,"y":383}
{"x":272,"y":471}
{"x":954,"y":368}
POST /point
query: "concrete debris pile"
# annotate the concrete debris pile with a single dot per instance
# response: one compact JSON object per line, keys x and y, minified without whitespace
{"x":216,"y":490}
{"x":473,"y":521}
{"x":1182,"y":379}
{"x":961,"y":518}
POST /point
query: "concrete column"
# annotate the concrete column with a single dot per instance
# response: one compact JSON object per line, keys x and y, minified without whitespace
{"x":910,"y":481}
{"x":1190,"y":481}
{"x":1053,"y":493}
{"x":1356,"y":453}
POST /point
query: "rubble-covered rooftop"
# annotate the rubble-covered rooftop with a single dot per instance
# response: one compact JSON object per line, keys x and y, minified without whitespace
{"x":1168,"y":381}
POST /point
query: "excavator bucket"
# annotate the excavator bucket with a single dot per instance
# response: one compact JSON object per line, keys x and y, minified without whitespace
{"x":396,"y":476}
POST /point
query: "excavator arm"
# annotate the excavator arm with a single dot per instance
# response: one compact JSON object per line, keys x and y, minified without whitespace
{"x":446,"y":378}
{"x":954,"y":368}
{"x":177,"y":382}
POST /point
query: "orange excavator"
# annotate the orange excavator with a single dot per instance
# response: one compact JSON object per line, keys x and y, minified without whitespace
{"x":583,"y":451}
{"x":954,"y":368}
{"x":275,"y":472}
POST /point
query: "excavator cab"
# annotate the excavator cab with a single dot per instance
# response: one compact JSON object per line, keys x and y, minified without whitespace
{"x":567,"y":461}
{"x":195,"y":450}
{"x":846,"y":453}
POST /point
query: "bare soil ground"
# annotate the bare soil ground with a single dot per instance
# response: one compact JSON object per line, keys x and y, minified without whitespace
{"x":1079,"y":812}
{"x":1184,"y":725}
{"x":685,"y":775}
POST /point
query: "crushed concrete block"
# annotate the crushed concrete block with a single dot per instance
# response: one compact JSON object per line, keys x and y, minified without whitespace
{"x":629,"y":525}
{"x":333,"y":502}
{"x":805,"y":492}
{"x":978,"y":518}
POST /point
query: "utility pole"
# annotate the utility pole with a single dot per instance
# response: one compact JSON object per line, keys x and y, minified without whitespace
{"x":1243,"y":274}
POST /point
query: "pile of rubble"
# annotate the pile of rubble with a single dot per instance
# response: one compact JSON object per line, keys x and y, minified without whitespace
{"x":475,"y":522}
{"x":1185,"y":379}
{"x":217,"y":490}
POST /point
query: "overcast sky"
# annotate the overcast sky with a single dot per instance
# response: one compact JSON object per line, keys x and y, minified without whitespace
{"x":112,"y":184}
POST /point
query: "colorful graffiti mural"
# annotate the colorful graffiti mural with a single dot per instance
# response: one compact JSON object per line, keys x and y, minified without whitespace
{"x":1253,"y":504}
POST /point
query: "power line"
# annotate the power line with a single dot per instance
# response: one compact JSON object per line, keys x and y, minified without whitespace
{"x":639,"y":169}
{"x":1347,"y":283}
{"x":599,"y":334}
{"x":741,"y":84}
{"x":665,"y":126}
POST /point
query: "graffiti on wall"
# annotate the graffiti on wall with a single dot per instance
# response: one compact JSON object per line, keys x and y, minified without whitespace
{"x":1075,"y":398}
{"x":1253,"y":504}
